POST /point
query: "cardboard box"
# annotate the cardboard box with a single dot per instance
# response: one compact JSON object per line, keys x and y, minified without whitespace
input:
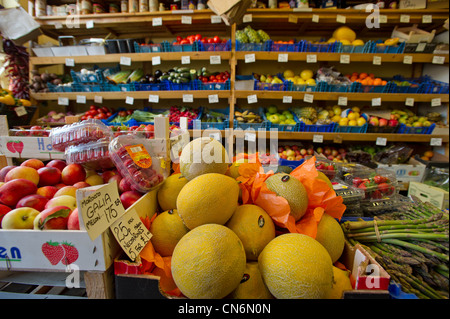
{"x":30,"y":147}
{"x":434,"y":195}
{"x":412,"y":4}
{"x":231,"y":11}
{"x":413,"y":171}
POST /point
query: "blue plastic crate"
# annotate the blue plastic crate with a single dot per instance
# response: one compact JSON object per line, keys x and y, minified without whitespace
{"x":107,"y":87}
{"x":265,"y":125}
{"x":98,"y":76}
{"x":215,"y":85}
{"x":283,"y":47}
{"x":148,"y":48}
{"x":214,"y":47}
{"x":321,"y":47}
{"x":356,"y":49}
{"x":162,"y":86}
{"x":283,"y":127}
{"x":396,"y":292}
{"x":190,"y":86}
{"x":357,"y":87}
{"x":61,"y":88}
{"x":258,"y":47}
{"x":87,"y":87}
{"x":290,"y":86}
{"x":323,"y":86}
{"x":324,"y":128}
{"x":261,"y":86}
{"x":435,"y":87}
{"x":350,"y":129}
{"x":392,"y":49}
{"x":403,"y":129}
{"x":170,"y":47}
{"x":291,"y":164}
{"x":217,"y":125}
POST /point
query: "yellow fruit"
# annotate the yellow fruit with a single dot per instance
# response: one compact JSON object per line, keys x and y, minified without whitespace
{"x":288,"y":74}
{"x":331,"y":40}
{"x":392,"y":41}
{"x":292,"y":190}
{"x":352,"y":123}
{"x":201,"y":156}
{"x":356,"y":109}
{"x":167,"y":229}
{"x":331,"y":236}
{"x":252,"y":285}
{"x":94,"y":180}
{"x":343,"y":121}
{"x":168,"y":193}
{"x":306,"y":74}
{"x":352,"y":116}
{"x":234,"y":167}
{"x":311,"y":82}
{"x":324,"y":177}
{"x":208,"y":262}
{"x":295,"y":266}
{"x":341,"y":283}
{"x":337,"y":110}
{"x":254,"y":227}
{"x":344,"y":33}
{"x":336,"y":118}
{"x":361,"y":121}
{"x":300,"y":82}
{"x":345,"y":42}
{"x":358,"y":42}
{"x":209,"y":198}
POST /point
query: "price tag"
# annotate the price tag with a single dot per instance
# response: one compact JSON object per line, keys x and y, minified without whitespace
{"x":214,"y":98}
{"x":407,"y":59}
{"x":292,"y":19}
{"x":81,"y":99}
{"x":156,"y":22}
{"x":215,"y":59}
{"x":383,"y":18}
{"x":98,"y":99}
{"x":317,"y":138}
{"x":436,"y":141}
{"x":186,"y":59}
{"x":58,"y":25}
{"x":315,"y":18}
{"x":427,"y":18}
{"x":409,"y":101}
{"x":100,"y":207}
{"x":251,"y":99}
{"x":63,"y":101}
{"x":90,"y":24}
{"x":342,"y":101}
{"x":345,"y":59}
{"x":436,"y":102}
{"x":70,"y":62}
{"x":129,"y":100}
{"x":20,"y":111}
{"x":311,"y":58}
{"x":215,"y":136}
{"x":376,"y":101}
{"x":308,"y":98}
{"x":124,"y":60}
{"x":381,"y":141}
{"x":283,"y":57}
{"x":186,"y":20}
{"x":404,"y":18}
{"x":156,"y":60}
{"x":216,"y":19}
{"x":377,"y":60}
{"x":251,"y":137}
{"x":131,"y":234}
{"x":250,"y":58}
{"x":287,"y":99}
{"x":438,"y":60}
{"x":247,"y":18}
{"x":153,"y":98}
{"x":188,"y":98}
{"x":337,"y":139}
{"x":341,"y":19}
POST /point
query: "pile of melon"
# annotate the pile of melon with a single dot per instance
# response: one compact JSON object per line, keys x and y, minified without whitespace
{"x":220,"y":248}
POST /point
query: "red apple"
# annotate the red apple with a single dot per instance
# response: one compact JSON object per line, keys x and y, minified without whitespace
{"x":5,"y":171}
{"x":73,"y":222}
{"x":334,"y":153}
{"x":124,"y":186}
{"x":128,"y":198}
{"x":327,"y":151}
{"x":59,"y":164}
{"x":37,"y":202}
{"x":60,"y":185}
{"x":280,"y":149}
{"x":107,"y":175}
{"x":310,"y":151}
{"x":341,"y":150}
{"x":49,"y":176}
{"x":383,"y":122}
{"x":47,"y":191}
{"x":52,"y":218}
{"x":330,"y":157}
{"x":81,"y":185}
{"x":33,"y":163}
{"x":295,"y":147}
{"x":73,"y":173}
{"x":393,"y":123}
{"x":3,"y":210}
{"x":116,"y":178}
{"x":11,"y":192}
{"x":303,"y":152}
{"x":319,"y":150}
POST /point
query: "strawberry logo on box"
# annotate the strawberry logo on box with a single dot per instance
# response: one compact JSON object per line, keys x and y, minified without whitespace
{"x":15,"y":146}
{"x":56,"y":252}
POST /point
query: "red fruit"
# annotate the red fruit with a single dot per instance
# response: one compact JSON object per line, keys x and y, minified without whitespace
{"x":47,"y":191}
{"x":5,"y":171}
{"x":129,"y":198}
{"x":53,"y":251}
{"x":54,"y":218}
{"x":71,"y":254}
{"x":81,"y":185}
{"x":33,"y":163}
{"x":12,"y":191}
{"x":384,"y":188}
{"x":3,"y":210}
{"x":376,"y":195}
{"x":37,"y":202}
{"x":330,"y":167}
{"x":73,"y":173}
{"x":73,"y":223}
{"x":49,"y":176}
{"x":357,"y":181}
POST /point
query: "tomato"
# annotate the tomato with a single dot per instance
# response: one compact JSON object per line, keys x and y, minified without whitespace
{"x":179,"y":39}
{"x":122,"y":113}
{"x":184,"y":41}
{"x":92,"y":112}
{"x":105,"y":109}
{"x":108,"y":114}
{"x":89,"y":117}
{"x":212,"y":77}
{"x":204,"y":40}
{"x":197,"y":37}
{"x":100,"y":110}
{"x":210,"y":40}
{"x":216,"y":39}
{"x":93,"y":107}
{"x":129,"y":112}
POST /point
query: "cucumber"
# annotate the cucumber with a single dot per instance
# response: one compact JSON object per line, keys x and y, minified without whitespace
{"x":206,"y":73}
{"x":185,"y":75}
{"x":183,"y":70}
{"x":164,"y":77}
{"x":184,"y":80}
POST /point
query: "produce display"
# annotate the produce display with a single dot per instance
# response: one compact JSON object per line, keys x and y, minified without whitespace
{"x":54,"y":118}
{"x":249,"y":35}
{"x":97,"y":112}
{"x":247,"y":116}
{"x":378,"y":184}
{"x":17,"y":67}
{"x":92,"y":155}
{"x":40,"y":82}
{"x":35,"y":130}
{"x":284,"y":118}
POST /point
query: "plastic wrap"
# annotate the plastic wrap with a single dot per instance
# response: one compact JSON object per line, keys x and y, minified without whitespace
{"x":92,"y":155}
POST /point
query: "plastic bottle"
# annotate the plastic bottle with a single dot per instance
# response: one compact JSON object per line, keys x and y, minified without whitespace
{"x":153,"y":5}
{"x":124,"y":6}
{"x":133,"y":6}
{"x":143,"y":5}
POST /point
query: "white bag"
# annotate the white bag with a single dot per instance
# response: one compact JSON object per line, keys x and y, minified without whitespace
{"x":17,"y":25}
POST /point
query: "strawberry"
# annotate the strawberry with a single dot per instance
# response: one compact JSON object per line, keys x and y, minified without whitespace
{"x":357,"y":181}
{"x":378,"y":179}
{"x":71,"y":253}
{"x":53,"y":251}
{"x":10,"y":147}
{"x":384,"y":188}
{"x":376,"y":195}
{"x":18,"y":146}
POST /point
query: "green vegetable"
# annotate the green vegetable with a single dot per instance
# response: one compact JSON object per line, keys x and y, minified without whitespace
{"x":136,"y":75}
{"x":119,"y":77}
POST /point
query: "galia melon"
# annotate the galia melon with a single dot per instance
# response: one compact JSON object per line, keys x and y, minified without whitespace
{"x":167,"y":229}
{"x":252,"y":285}
{"x":254,"y":227}
{"x":208,"y":262}
{"x":331,"y":236}
{"x":168,"y":192}
{"x":208,"y":198}
{"x":292,"y":190}
{"x":295,"y":266}
{"x":202,"y":156}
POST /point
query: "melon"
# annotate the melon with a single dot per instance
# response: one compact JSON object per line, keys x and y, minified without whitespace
{"x":331,"y":236}
{"x":296,"y":266}
{"x":208,"y":262}
{"x":341,"y":283}
{"x":254,"y":227}
{"x":202,"y":156}
{"x":292,"y":190}
{"x":208,"y":198}
{"x":325,"y":178}
{"x":252,"y":285}
{"x":169,"y":190}
{"x":167,"y":229}
{"x":344,"y":33}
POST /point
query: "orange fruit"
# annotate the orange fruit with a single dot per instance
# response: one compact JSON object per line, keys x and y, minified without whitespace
{"x":354,"y":78}
{"x":355,"y":74}
{"x":383,"y":82}
{"x":371,"y":75}
{"x":377,"y":81}
{"x":425,"y":158}
{"x":428,"y":154}
{"x":363,"y":75}
{"x":364,"y":82}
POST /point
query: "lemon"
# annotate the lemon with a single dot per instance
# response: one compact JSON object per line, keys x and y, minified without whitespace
{"x":361,"y":121}
{"x":341,"y":283}
{"x":306,"y":74}
{"x":311,"y":82}
{"x":343,"y":121}
{"x":352,"y":123}
{"x":358,"y":42}
{"x":288,"y":74}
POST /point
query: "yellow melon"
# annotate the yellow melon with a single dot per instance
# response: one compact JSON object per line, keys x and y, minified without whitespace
{"x":208,"y":262}
{"x":168,"y":192}
{"x":167,"y":229}
{"x":254,"y":227}
{"x":344,"y":33}
{"x":252,"y":285}
{"x":341,"y":283}
{"x":295,"y":266}
{"x":331,"y":236}
{"x":209,"y":198}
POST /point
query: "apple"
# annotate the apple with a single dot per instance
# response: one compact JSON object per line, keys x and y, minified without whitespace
{"x":81,"y":185}
{"x":63,"y":200}
{"x":303,"y":152}
{"x":319,"y":150}
{"x":116,"y":178}
{"x":334,"y":152}
{"x":20,"y":218}
{"x":3,"y":210}
{"x":295,"y":147}
{"x":341,"y":150}
{"x":5,"y":171}
{"x":49,"y":176}
{"x":52,"y":218}
{"x":33,"y":163}
{"x":290,"y":153}
{"x":124,"y":186}
{"x":283,"y":156}
{"x":383,"y":122}
{"x":327,"y":151}
{"x":23,"y":172}
{"x":128,"y":198}
{"x":47,"y":191}
{"x":37,"y":202}
{"x":291,"y":158}
{"x":66,"y":190}
{"x":106,"y":175}
{"x":60,"y":185}
{"x":393,"y":123}
{"x":374,"y":121}
{"x":298,"y":157}
{"x":11,"y":192}
{"x":94,"y":180}
{"x":330,"y":157}
{"x":73,"y":222}
{"x":73,"y":173}
{"x":310,"y":151}
{"x":280,"y":149}
{"x":59,"y":164}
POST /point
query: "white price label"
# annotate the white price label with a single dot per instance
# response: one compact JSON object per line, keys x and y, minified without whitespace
{"x":377,"y":60}
{"x":341,"y":19}
{"x":404,"y":18}
{"x":436,"y":141}
{"x":125,"y":60}
{"x":216,"y":19}
{"x":251,"y":99}
{"x":311,"y":58}
{"x":317,"y":138}
{"x":186,"y":20}
{"x":376,"y":101}
{"x":156,"y":60}
{"x":153,"y":98}
{"x":251,"y":137}
{"x":345,"y":59}
{"x":188,"y":98}
{"x":409,"y":101}
{"x":438,"y":59}
{"x":383,"y":18}
{"x":407,"y":59}
{"x":156,"y":22}
{"x":98,"y":99}
{"x":186,"y":59}
{"x":308,"y":98}
{"x":250,"y":58}
{"x":436,"y":102}
{"x":283,"y":57}
{"x":427,"y":18}
{"x":215,"y":136}
{"x":63,"y":101}
{"x":247,"y":18}
{"x":58,"y":25}
{"x":81,"y":99}
{"x":215,"y":59}
{"x":287,"y":99}
{"x":381,"y":141}
{"x":70,"y":62}
{"x":20,"y":111}
{"x":90,"y":24}
{"x":129,"y":100}
{"x":315,"y":18}
{"x":342,"y":101}
{"x":214,"y":98}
